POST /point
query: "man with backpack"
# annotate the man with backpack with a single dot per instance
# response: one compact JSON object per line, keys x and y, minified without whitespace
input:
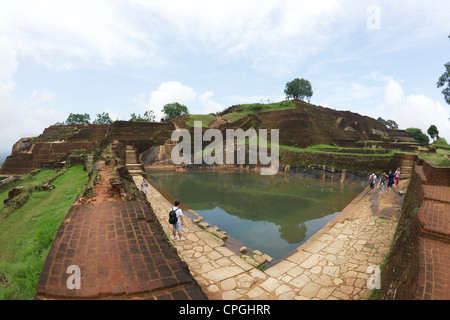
{"x":176,"y":220}
{"x":372,"y":180}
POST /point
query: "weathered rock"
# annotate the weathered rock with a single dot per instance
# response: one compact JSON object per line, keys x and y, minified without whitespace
{"x":267,"y":257}
{"x":243,"y":250}
{"x":13,"y":194}
{"x":221,"y":235}
{"x":203,"y":225}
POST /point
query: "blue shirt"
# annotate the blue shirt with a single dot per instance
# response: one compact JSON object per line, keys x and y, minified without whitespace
{"x":391,"y":177}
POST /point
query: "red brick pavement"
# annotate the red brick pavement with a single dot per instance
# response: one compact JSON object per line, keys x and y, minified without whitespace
{"x":437,"y":193}
{"x":434,"y":274}
{"x":434,"y":217}
{"x":121,"y":253}
{"x":433,"y":281}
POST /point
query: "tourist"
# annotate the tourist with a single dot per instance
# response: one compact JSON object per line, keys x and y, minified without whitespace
{"x":397,"y":177}
{"x":144,"y":185}
{"x":390,"y":180}
{"x":372,"y":181}
{"x":384,"y":176}
{"x":178,"y":226}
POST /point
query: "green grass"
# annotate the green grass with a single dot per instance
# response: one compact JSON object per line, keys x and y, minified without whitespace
{"x":441,"y":143}
{"x":315,"y":149}
{"x":27,"y":180}
{"x":255,"y":108}
{"x":234,"y":116}
{"x":439,"y":159}
{"x":27,"y":234}
{"x":206,"y":119}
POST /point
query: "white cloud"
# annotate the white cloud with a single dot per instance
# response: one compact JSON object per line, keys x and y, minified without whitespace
{"x":175,"y":91}
{"x":394,"y":95}
{"x":61,"y":34}
{"x":208,"y":105}
{"x":8,"y":63}
{"x":25,"y":119}
{"x":414,"y":110}
{"x":272,"y":36}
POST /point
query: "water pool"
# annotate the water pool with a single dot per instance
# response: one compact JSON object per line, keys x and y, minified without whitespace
{"x":273,"y":214}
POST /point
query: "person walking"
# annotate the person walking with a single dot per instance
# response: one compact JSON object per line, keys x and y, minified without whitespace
{"x":372,"y":181}
{"x":397,"y":177}
{"x":176,"y":219}
{"x":391,"y":177}
{"x":383,"y":179}
{"x":144,"y":186}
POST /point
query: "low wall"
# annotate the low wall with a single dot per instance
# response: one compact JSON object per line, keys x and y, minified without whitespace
{"x":347,"y":161}
{"x":328,"y":173}
{"x":399,"y":277}
{"x":438,"y":176}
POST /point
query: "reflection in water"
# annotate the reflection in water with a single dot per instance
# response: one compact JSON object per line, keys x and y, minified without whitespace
{"x":274,"y":214}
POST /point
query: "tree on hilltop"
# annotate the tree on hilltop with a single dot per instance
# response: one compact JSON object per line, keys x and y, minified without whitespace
{"x":299,"y":89}
{"x":174,"y":109}
{"x":444,"y":80}
{"x":78,"y":118}
{"x":103,"y":118}
{"x":390,"y":124}
{"x":149,"y":116}
{"x":418,"y":135}
{"x":433,"y":132}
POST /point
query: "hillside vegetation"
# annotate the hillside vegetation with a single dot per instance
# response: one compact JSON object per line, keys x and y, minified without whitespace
{"x":27,"y":233}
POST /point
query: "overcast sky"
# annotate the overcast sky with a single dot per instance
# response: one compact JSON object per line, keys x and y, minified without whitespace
{"x":376,"y":58}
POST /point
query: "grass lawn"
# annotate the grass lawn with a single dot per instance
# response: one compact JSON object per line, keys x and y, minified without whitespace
{"x":27,"y":234}
{"x":27,"y":180}
{"x":317,"y":149}
{"x":439,"y":159}
{"x":204,"y":118}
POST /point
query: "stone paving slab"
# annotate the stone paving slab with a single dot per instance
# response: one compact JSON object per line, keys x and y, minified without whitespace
{"x":330,"y":265}
{"x":121,"y":253}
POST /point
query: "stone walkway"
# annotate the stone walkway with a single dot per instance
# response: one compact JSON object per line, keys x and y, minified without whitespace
{"x":331,"y":265}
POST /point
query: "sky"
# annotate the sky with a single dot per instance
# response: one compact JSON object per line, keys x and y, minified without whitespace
{"x":376,"y":58}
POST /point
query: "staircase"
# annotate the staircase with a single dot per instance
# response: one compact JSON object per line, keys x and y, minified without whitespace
{"x":159,"y":155}
{"x":132,"y":161}
{"x":406,"y":166}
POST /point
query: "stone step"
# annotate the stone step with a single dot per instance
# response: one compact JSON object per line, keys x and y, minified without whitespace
{"x":433,"y":217}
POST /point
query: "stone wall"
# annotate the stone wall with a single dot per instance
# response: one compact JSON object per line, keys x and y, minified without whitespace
{"x":409,"y":273}
{"x":347,"y":161}
{"x":399,"y":277}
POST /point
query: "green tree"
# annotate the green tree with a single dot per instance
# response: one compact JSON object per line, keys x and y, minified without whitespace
{"x":78,"y":118}
{"x":433,"y":132}
{"x":418,"y":135}
{"x":299,"y":89}
{"x":390,"y":124}
{"x":174,"y":109}
{"x":444,"y":81}
{"x":149,"y":116}
{"x":103,"y":118}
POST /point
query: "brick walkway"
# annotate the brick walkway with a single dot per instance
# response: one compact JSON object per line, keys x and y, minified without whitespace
{"x":121,"y":252}
{"x":434,"y":242}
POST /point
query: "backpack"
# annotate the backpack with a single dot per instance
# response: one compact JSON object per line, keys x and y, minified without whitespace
{"x":371,"y":178}
{"x":173,"y":216}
